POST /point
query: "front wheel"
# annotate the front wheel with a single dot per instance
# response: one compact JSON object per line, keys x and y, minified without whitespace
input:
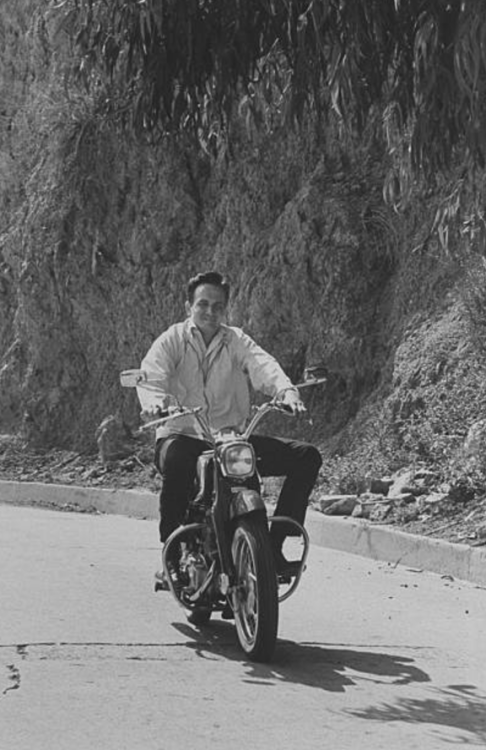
{"x":255,"y":595}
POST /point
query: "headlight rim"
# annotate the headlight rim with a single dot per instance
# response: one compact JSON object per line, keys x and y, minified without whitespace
{"x":223,"y":451}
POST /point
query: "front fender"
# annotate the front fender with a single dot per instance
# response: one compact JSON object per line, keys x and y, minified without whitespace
{"x":244,"y":500}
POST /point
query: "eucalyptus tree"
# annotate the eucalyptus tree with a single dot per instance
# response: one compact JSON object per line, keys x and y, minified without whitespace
{"x":414,"y":70}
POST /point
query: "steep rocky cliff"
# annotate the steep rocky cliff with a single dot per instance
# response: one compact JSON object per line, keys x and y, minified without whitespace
{"x":99,"y":233}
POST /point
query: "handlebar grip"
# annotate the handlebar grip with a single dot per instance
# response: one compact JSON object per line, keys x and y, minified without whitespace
{"x":285,"y":408}
{"x":156,"y":413}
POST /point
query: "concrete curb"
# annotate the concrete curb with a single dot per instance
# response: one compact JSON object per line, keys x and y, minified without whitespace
{"x":350,"y":535}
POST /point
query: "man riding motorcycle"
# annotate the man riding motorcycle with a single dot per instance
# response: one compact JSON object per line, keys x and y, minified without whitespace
{"x":204,"y":362}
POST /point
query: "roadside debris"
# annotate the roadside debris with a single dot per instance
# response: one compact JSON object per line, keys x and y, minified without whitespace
{"x":415,"y":500}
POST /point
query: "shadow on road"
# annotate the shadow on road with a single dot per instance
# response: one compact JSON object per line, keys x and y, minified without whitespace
{"x":457,"y":706}
{"x":317,"y":665}
{"x":336,"y":669}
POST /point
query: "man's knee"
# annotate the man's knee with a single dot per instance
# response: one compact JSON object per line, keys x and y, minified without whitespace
{"x":312,"y":458}
{"x":171,"y":457}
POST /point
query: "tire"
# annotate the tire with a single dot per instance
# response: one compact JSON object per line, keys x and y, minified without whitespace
{"x":255,"y":596}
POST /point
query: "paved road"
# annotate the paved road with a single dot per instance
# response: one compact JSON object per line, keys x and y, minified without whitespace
{"x":370,"y":656}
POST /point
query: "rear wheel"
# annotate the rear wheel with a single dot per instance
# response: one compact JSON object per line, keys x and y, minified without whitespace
{"x":255,"y":596}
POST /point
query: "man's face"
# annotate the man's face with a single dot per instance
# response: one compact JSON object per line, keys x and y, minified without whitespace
{"x":208,"y":309}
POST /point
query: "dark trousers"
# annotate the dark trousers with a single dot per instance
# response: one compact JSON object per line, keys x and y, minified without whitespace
{"x":176,"y":459}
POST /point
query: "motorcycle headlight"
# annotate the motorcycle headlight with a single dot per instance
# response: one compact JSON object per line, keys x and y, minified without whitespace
{"x":237,"y":460}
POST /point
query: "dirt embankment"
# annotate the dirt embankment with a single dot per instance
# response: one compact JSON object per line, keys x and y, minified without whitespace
{"x":413,"y":500}
{"x":99,"y":234}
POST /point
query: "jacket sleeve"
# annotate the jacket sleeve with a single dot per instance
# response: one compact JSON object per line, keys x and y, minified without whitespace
{"x":265,"y":373}
{"x":159,"y":363}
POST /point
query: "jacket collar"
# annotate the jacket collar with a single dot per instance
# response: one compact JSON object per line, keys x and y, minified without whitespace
{"x":194,"y":337}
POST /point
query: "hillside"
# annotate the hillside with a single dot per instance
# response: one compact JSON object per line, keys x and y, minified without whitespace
{"x":100,"y":231}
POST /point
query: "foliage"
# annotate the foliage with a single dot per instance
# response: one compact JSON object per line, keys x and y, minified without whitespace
{"x":102,"y":217}
{"x":185,"y":65}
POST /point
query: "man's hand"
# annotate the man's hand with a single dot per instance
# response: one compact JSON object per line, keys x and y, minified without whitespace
{"x":293,"y":402}
{"x":157,"y":411}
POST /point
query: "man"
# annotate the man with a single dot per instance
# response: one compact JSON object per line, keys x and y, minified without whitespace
{"x":203,"y":362}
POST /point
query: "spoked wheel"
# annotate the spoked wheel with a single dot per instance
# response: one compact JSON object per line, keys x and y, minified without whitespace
{"x":255,"y":597}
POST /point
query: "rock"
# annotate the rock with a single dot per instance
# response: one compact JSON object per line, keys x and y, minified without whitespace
{"x":379,"y":512}
{"x":93,"y":473}
{"x":360,"y":511}
{"x":411,"y":513}
{"x":425,"y":476}
{"x":342,"y":507}
{"x":405,"y":498}
{"x":112,"y":438}
{"x":370,"y":498}
{"x":327,"y":501}
{"x":412,"y":482}
{"x":402,"y":483}
{"x":434,"y":498}
{"x":379,"y":486}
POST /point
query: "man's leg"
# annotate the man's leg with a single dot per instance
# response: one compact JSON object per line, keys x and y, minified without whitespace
{"x":176,"y":459}
{"x":300,"y":463}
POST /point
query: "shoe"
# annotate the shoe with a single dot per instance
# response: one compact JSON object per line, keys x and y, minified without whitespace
{"x":161,"y":582}
{"x":199,"y":616}
{"x":227,"y":612}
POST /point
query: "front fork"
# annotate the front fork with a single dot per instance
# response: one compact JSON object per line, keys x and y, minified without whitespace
{"x":234,"y":502}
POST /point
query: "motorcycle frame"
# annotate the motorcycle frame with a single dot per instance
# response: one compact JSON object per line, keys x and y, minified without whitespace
{"x":232,"y":500}
{"x":240,"y":499}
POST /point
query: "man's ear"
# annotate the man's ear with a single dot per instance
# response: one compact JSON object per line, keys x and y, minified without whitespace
{"x":188,"y":308}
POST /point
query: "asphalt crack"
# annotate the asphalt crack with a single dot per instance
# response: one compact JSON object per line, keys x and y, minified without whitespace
{"x":13,"y":677}
{"x":72,"y":651}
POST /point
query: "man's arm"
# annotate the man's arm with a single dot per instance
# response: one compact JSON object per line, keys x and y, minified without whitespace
{"x":266,"y":374}
{"x":159,"y":364}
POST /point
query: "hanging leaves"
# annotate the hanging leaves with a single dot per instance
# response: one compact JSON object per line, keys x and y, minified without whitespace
{"x":186,"y":65}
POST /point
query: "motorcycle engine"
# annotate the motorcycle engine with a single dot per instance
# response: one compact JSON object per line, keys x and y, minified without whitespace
{"x":196,"y":570}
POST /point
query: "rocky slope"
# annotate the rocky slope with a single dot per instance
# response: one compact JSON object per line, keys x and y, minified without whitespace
{"x":99,"y":233}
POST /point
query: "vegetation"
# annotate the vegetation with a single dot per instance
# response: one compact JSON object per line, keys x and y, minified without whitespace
{"x":420,"y":63}
{"x":114,"y":122}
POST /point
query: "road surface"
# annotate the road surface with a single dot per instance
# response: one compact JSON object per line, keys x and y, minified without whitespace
{"x":370,"y":656}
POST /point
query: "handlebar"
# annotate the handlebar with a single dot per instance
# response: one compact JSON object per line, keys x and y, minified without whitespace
{"x":184,"y":412}
{"x":176,"y":412}
{"x":139,"y":378}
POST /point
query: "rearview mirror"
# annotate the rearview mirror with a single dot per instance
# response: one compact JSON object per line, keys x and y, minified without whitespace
{"x":132,"y":378}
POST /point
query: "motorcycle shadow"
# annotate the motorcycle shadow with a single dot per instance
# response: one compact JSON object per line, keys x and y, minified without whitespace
{"x":318,"y":665}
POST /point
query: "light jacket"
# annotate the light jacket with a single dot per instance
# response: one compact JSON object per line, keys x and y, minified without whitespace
{"x":216,"y":377}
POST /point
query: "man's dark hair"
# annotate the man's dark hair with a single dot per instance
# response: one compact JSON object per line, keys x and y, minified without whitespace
{"x":210,"y":277}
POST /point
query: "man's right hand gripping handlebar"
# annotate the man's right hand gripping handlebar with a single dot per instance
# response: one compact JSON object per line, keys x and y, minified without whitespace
{"x":163,"y":408}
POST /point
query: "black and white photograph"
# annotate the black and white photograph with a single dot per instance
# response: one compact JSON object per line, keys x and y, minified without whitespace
{"x":242,"y":374}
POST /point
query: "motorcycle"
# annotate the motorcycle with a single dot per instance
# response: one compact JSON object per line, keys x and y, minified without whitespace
{"x":220,"y":559}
